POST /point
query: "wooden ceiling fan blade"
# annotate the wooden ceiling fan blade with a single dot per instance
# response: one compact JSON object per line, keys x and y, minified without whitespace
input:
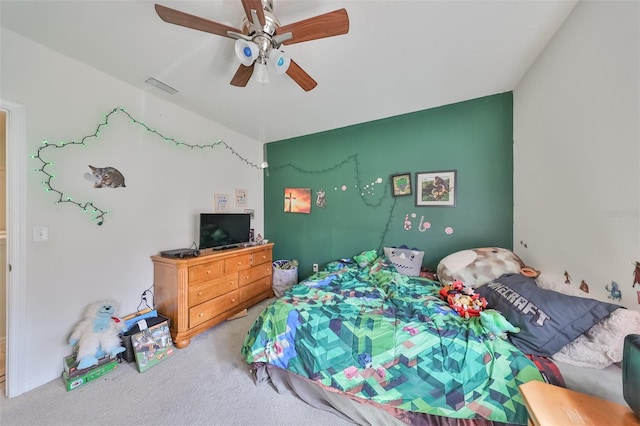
{"x":321,"y":26}
{"x":183,"y":19}
{"x":255,"y":5}
{"x":298,"y":75}
{"x":242,"y":75}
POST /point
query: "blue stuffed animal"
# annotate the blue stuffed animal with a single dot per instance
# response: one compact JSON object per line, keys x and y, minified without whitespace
{"x":496,"y":324}
{"x":97,"y":334}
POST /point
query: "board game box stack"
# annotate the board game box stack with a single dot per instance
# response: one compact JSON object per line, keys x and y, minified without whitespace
{"x":147,"y":339}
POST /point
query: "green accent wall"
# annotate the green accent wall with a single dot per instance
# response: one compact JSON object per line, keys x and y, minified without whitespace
{"x":474,"y":137}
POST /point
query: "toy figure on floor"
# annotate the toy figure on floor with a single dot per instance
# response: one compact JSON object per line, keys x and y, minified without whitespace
{"x":97,"y":334}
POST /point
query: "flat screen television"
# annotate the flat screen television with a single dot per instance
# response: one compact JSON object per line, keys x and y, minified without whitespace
{"x":224,"y":230}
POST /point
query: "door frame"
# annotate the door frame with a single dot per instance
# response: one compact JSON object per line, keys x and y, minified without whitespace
{"x":16,"y":246}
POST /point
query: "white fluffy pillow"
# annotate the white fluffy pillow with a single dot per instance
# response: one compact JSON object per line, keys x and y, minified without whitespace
{"x":478,"y":266}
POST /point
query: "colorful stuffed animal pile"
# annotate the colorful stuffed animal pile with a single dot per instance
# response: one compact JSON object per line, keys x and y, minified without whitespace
{"x":464,"y":300}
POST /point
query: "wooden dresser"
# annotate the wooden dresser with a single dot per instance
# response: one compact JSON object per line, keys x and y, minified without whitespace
{"x":550,"y":405}
{"x":199,"y":292}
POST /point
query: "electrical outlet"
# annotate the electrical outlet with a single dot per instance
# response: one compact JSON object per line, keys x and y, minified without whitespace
{"x":315,"y":267}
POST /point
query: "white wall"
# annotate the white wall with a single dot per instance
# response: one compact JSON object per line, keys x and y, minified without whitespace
{"x":577,"y":150}
{"x":167,"y":186}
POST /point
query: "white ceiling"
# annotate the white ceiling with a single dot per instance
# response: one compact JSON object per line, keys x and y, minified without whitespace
{"x":399,"y":56}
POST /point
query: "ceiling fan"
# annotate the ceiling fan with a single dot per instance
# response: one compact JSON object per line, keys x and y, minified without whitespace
{"x":258,"y":42}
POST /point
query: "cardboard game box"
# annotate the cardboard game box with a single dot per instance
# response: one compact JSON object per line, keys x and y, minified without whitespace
{"x":72,"y":370}
{"x":87,"y":374}
{"x":152,"y":345}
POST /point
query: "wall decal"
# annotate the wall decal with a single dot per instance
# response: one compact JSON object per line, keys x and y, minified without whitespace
{"x":321,"y":200}
{"x":614,"y":291}
{"x":407,"y":223}
{"x":424,"y":225}
{"x":436,"y":189}
{"x":636,"y":274}
{"x":567,"y":278}
{"x":297,"y":200}
{"x":584,"y":286}
{"x":105,"y":177}
{"x":88,"y":205}
{"x":448,"y":230}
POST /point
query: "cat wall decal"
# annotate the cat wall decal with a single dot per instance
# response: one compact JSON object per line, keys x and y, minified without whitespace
{"x":108,"y":177}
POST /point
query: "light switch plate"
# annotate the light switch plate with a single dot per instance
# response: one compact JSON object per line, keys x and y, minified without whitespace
{"x":40,"y":233}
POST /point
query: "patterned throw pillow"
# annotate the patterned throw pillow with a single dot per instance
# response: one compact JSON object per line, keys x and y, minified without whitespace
{"x":366,"y":258}
{"x":478,"y":266}
{"x":407,"y":261}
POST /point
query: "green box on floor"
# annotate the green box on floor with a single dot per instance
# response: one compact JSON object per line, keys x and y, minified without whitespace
{"x":92,"y":374}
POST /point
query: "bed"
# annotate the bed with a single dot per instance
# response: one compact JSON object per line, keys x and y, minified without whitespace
{"x":365,"y":333}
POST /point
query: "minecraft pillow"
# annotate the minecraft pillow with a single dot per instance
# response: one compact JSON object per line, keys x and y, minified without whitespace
{"x":548,"y":320}
{"x":478,"y":266}
{"x":407,"y":261}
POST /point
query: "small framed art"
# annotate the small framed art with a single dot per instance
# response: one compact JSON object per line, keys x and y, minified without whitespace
{"x":436,"y":188}
{"x":401,"y":184}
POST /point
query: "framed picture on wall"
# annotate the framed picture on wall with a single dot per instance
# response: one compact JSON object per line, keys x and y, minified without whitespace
{"x":297,"y":200}
{"x":401,"y":184}
{"x":436,"y":188}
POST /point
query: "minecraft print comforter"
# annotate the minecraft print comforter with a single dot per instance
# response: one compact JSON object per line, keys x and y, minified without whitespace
{"x":384,"y":337}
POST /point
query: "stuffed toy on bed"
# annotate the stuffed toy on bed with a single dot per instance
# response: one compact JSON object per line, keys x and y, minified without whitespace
{"x":97,"y":334}
{"x":497,"y":324}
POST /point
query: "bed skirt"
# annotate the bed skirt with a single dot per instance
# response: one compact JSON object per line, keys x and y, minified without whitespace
{"x":346,"y":406}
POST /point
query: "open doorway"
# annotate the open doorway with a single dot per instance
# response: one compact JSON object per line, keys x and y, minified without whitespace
{"x":13,"y":201}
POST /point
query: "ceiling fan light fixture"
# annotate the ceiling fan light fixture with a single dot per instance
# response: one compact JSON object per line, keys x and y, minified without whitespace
{"x":246,"y":51}
{"x":278,"y":61}
{"x":260,"y":72}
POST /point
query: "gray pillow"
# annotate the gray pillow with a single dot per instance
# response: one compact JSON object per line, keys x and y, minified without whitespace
{"x":407,"y":261}
{"x":548,"y":320}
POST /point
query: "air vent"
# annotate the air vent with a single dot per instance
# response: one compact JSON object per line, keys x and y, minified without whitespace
{"x":162,"y":86}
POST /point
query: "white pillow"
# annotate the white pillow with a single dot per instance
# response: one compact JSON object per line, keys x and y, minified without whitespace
{"x":407,"y":261}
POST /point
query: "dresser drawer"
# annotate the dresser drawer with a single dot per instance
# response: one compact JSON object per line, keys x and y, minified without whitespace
{"x":210,"y":289}
{"x":249,"y":275}
{"x":237,"y":263}
{"x":262,"y":256}
{"x":211,"y":308}
{"x":249,"y":291}
{"x":205,"y":272}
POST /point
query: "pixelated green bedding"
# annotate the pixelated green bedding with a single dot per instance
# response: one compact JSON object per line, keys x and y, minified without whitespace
{"x":386,"y":337}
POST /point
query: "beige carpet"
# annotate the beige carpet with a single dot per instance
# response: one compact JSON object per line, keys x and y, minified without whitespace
{"x":207,"y":383}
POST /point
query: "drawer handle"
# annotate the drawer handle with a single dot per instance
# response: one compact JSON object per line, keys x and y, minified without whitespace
{"x":233,"y":300}
{"x":246,"y":276}
{"x":208,"y":271}
{"x":201,"y":314}
{"x":199,"y":293}
{"x":240,"y":263}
